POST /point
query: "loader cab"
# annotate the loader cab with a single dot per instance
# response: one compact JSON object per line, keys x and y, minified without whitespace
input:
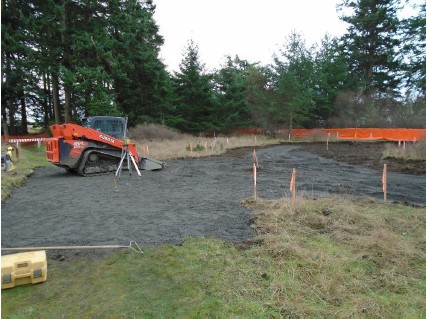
{"x":111,"y":125}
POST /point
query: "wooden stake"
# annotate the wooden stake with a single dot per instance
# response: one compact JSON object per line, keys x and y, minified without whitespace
{"x":17,"y":150}
{"x":255,"y":158}
{"x":293,"y":186}
{"x":254,"y":170}
{"x":384,"y":180}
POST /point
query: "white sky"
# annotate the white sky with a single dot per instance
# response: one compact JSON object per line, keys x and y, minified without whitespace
{"x":254,"y":30}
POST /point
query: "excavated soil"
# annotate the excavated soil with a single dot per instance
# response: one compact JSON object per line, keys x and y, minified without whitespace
{"x":193,"y":197}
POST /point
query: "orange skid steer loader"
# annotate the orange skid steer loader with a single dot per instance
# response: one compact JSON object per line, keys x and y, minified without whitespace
{"x":96,"y":147}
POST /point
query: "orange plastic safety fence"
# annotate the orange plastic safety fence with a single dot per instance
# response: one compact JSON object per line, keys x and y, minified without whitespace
{"x":390,"y":134}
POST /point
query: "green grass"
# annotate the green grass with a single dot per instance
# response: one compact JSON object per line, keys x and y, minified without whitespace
{"x":30,"y":157}
{"x":364,"y":259}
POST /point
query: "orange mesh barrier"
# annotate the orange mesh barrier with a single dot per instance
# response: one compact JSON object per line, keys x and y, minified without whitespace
{"x":390,"y":134}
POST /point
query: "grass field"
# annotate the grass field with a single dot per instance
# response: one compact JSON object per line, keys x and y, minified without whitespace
{"x":29,"y":158}
{"x":329,"y":257}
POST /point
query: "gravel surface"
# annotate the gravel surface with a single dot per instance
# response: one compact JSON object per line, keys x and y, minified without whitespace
{"x":193,"y":197}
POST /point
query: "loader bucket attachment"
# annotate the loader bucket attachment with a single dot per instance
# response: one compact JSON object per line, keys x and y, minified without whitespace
{"x":150,"y":164}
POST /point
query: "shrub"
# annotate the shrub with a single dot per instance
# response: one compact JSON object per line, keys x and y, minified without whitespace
{"x":196,"y":148}
{"x":152,"y":132}
{"x":411,"y":151}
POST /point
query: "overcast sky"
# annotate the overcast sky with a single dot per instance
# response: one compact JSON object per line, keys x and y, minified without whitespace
{"x":254,"y":30}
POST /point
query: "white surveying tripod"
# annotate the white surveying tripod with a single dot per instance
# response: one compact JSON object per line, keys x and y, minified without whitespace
{"x":127,"y":154}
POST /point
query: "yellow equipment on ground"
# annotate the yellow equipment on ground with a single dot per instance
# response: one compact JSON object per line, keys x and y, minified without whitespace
{"x":23,"y":268}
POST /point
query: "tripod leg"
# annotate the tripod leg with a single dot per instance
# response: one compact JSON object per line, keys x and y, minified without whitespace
{"x":128,"y":160}
{"x":119,"y":169}
{"x":134,"y":164}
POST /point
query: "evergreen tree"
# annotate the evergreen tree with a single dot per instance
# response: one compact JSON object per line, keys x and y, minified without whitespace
{"x":293,"y":83}
{"x":65,"y":59}
{"x":194,"y":102}
{"x":140,"y":79}
{"x":230,"y":88}
{"x":16,"y":66}
{"x":413,"y":51}
{"x":371,"y":43}
{"x":330,"y":74}
{"x":259,"y":96}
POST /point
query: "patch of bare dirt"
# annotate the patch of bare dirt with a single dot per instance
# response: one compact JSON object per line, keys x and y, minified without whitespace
{"x":367,"y":154}
{"x":190,"y":198}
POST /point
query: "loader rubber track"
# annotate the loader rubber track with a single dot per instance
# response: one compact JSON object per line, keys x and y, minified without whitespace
{"x":96,"y":162}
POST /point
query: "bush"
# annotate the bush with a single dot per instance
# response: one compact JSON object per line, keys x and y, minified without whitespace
{"x":152,"y":132}
{"x":197,"y":148}
{"x":412,"y":151}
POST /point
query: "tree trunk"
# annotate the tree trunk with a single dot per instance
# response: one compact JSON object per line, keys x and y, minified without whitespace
{"x":67,"y":103}
{"x":66,"y":63}
{"x":4,"y":121}
{"x":49,"y":98}
{"x":55,"y":93}
{"x":24,"y":121}
{"x":45,"y":102}
{"x":12,"y":126}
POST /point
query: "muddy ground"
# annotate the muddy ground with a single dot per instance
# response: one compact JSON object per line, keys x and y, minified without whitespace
{"x":367,"y":154}
{"x":194,"y":197}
